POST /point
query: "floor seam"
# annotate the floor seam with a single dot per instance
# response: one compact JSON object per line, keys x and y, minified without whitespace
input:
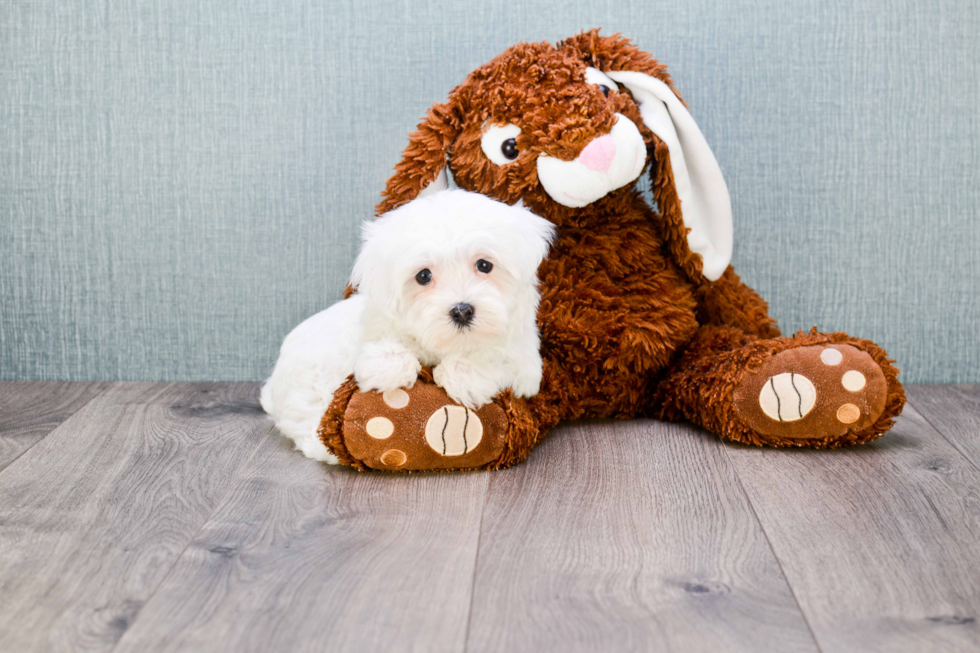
{"x":942,"y":434}
{"x":56,"y":427}
{"x":779,"y":563}
{"x":217,"y":504}
{"x":476,"y":563}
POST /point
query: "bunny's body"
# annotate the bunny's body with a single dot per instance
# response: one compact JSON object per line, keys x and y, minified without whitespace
{"x":635,"y":311}
{"x":641,"y":313}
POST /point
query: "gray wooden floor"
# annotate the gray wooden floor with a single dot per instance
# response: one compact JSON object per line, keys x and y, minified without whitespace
{"x":167,"y":517}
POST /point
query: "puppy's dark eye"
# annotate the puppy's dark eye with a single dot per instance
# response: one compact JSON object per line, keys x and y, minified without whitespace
{"x":509,"y":148}
{"x":605,"y":89}
{"x":484,"y":266}
{"x":424,"y":276}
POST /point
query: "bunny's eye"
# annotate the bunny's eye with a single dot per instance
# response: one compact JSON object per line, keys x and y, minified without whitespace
{"x":499,"y":143}
{"x":598,"y":78}
{"x":424,"y":277}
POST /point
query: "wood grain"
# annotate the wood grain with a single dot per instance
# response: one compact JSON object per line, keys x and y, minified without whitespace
{"x":29,"y":410}
{"x":954,"y":410}
{"x":96,"y":513}
{"x":628,"y":536}
{"x":159,"y":517}
{"x":881,"y":543}
{"x":307,"y":557}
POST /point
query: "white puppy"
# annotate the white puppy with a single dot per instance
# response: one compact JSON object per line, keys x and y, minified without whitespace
{"x":448,"y":280}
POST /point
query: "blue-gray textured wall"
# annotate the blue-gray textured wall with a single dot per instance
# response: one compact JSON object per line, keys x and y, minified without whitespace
{"x":182,"y":180}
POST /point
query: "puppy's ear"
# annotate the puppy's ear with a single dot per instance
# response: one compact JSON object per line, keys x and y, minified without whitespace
{"x":686,"y":180}
{"x":531,"y":237}
{"x":422,"y":169}
{"x":375,"y":268}
{"x":363,"y":263}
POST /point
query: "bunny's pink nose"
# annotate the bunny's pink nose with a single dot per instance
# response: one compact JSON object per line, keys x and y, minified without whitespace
{"x":599,"y":154}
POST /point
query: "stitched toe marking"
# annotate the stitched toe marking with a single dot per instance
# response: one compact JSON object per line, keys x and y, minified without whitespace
{"x":853,"y":381}
{"x":453,"y":431}
{"x":379,"y":428}
{"x":394,"y":458}
{"x":831,"y":356}
{"x":396,"y":398}
{"x":848,"y":414}
{"x":787,"y":397}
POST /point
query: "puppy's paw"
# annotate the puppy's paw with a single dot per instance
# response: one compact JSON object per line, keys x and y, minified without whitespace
{"x":527,"y":384}
{"x":386,"y":365}
{"x":465,"y":383}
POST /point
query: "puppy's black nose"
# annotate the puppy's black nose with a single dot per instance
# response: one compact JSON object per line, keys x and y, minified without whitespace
{"x":462,"y":314}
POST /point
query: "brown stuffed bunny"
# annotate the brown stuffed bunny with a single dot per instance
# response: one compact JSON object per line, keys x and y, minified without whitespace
{"x":640,"y":312}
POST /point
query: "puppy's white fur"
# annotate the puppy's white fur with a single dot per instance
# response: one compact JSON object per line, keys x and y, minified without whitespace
{"x":394,"y":325}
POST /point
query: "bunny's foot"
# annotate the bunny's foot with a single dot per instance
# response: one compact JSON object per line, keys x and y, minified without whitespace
{"x":815,"y":392}
{"x":418,"y":429}
{"x":819,"y":390}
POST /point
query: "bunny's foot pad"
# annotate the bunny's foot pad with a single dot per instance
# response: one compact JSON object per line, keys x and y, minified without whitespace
{"x":421,"y":429}
{"x":812,"y":393}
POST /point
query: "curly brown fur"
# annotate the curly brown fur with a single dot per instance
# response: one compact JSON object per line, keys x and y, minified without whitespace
{"x":730,"y":302}
{"x":331,"y":429}
{"x":628,"y":323}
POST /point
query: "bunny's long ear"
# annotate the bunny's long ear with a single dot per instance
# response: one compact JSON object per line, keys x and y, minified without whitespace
{"x":687,"y":181}
{"x":422,"y":169}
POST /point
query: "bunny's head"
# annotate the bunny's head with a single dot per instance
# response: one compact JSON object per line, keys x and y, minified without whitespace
{"x":567,"y":130}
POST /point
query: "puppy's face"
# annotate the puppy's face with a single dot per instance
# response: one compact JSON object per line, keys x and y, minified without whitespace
{"x":455,"y":271}
{"x":457,"y":298}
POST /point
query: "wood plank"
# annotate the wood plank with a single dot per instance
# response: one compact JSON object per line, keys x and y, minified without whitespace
{"x":303,"y":556}
{"x":198,"y":398}
{"x":29,"y":410}
{"x":954,"y":410}
{"x":881,"y":543}
{"x":628,"y":536}
{"x":95,"y":514}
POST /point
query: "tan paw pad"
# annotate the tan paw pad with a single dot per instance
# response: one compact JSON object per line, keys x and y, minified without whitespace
{"x":853,"y":381}
{"x":787,"y":397}
{"x":848,"y":414}
{"x":831,"y":356}
{"x":453,"y":431}
{"x":379,"y":428}
{"x":394,"y":458}
{"x":396,"y":398}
